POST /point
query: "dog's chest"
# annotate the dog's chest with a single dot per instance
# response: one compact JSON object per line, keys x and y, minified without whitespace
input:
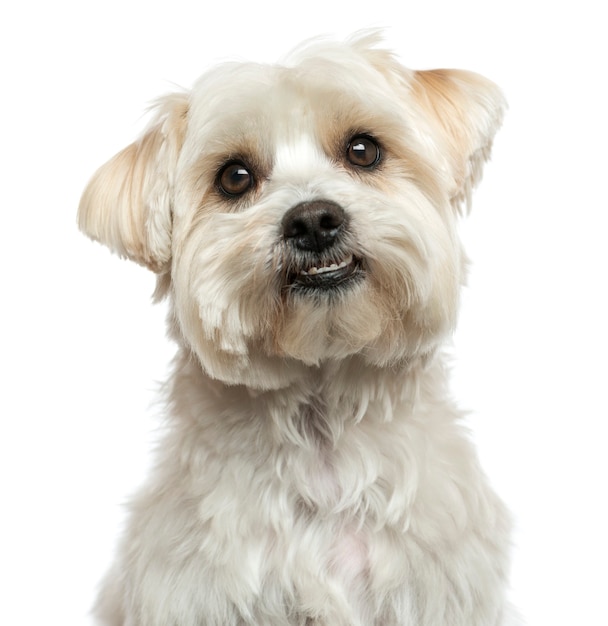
{"x":330,"y":552}
{"x":329,"y":519}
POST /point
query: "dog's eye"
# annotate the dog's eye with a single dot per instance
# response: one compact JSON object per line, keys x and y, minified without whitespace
{"x":363,"y":151}
{"x":235,"y":179}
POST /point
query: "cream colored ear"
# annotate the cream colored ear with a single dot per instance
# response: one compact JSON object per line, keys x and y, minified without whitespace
{"x":127,"y":204}
{"x":465,"y":110}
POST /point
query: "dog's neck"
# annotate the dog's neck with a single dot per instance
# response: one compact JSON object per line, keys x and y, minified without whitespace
{"x":345,"y":437}
{"x":318,"y":406}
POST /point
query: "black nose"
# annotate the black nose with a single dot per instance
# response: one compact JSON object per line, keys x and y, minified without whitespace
{"x":313,"y":226}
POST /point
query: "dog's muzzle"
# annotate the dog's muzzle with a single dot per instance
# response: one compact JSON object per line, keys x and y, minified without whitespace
{"x":315,"y":234}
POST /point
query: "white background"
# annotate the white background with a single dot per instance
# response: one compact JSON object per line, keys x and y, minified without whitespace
{"x":81,"y":345}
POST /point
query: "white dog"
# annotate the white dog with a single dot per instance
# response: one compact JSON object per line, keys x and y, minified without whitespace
{"x":302,"y":221}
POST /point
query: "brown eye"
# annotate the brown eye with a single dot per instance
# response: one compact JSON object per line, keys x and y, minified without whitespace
{"x":363,"y":151}
{"x":235,"y":179}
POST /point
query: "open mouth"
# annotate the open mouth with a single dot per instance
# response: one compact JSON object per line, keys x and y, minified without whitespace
{"x":331,"y":275}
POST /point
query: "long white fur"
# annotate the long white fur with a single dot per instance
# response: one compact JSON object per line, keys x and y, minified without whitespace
{"x":315,"y":470}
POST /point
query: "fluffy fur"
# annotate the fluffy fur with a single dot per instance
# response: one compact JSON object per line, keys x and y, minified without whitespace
{"x":315,"y":470}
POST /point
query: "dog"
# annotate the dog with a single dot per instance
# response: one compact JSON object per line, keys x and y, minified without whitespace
{"x":301,"y":219}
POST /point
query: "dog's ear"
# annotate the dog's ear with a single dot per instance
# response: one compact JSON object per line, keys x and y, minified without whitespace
{"x":127,"y":205}
{"x":465,"y":110}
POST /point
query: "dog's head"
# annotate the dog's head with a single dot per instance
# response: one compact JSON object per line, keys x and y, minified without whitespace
{"x":303,"y":212}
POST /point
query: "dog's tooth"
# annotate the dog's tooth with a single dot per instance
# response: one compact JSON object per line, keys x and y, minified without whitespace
{"x":313,"y":271}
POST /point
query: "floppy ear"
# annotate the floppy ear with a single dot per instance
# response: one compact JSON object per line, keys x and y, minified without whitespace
{"x":127,"y":205}
{"x":465,"y":110}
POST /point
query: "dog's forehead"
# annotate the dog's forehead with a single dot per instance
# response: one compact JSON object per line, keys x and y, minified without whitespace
{"x":272,"y":103}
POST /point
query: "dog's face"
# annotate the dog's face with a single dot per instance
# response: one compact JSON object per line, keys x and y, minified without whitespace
{"x":303,"y":212}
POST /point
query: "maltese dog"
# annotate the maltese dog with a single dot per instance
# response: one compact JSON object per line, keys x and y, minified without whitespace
{"x":301,"y":219}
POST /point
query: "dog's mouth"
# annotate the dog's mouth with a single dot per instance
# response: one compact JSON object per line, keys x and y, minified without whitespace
{"x":327,"y":275}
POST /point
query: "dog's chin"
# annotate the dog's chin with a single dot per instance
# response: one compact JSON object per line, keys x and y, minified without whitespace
{"x":266,"y":324}
{"x":326,"y":277}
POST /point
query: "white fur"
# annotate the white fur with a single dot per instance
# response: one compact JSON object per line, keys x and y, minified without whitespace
{"x":315,"y":470}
